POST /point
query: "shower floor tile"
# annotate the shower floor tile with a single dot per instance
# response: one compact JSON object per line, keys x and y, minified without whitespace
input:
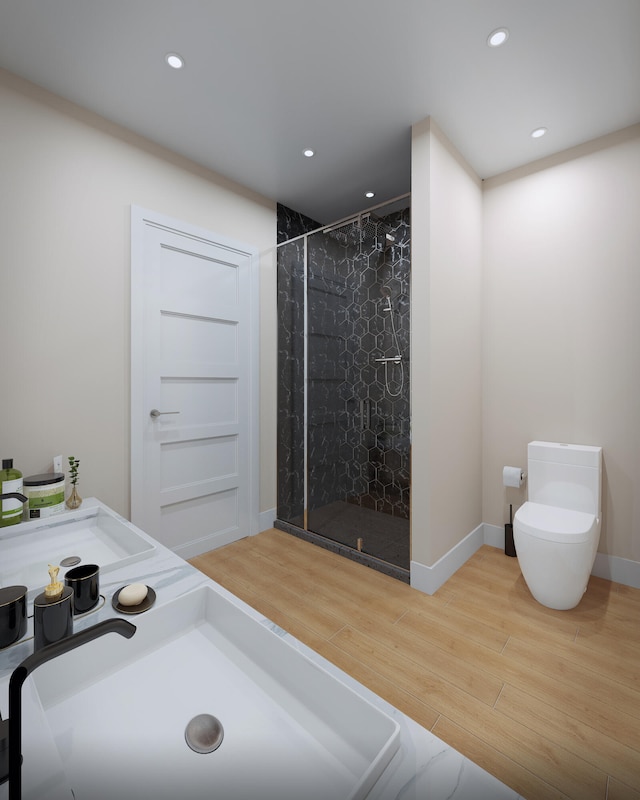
{"x":383,"y":536}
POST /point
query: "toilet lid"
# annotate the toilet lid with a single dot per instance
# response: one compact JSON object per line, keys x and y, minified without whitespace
{"x":554,"y":524}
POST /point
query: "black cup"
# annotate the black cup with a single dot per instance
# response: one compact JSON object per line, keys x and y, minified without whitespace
{"x":52,"y":618}
{"x":13,"y":614}
{"x":85,"y":582}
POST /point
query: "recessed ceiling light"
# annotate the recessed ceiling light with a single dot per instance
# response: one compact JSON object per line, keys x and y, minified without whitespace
{"x":308,"y":152}
{"x":174,"y":60}
{"x":538,"y":133}
{"x":498,"y":37}
{"x":369,"y":194}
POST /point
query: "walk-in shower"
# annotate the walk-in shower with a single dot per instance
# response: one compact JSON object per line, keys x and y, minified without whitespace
{"x":343,"y":385}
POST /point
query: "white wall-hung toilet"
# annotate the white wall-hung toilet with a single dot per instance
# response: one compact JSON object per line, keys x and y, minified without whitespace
{"x":556,"y":532}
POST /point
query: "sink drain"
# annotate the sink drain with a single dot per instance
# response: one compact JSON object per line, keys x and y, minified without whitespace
{"x":204,"y":733}
{"x":70,"y":561}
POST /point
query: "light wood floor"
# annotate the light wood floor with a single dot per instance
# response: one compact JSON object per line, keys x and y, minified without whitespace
{"x":547,"y":701}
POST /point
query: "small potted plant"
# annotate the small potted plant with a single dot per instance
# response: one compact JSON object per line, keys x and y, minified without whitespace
{"x":74,"y":500}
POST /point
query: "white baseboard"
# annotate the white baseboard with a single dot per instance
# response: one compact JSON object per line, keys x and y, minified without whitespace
{"x":430,"y":579}
{"x":494,"y":535}
{"x":620,"y":570}
{"x":266,"y":520}
{"x":199,"y":546}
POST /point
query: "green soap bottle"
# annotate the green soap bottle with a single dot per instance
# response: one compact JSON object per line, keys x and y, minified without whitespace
{"x":10,"y":481}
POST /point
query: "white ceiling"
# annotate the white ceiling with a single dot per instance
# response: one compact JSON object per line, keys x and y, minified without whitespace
{"x":266,"y":78}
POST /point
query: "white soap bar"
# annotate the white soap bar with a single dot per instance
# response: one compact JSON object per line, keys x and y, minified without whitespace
{"x":133,"y":594}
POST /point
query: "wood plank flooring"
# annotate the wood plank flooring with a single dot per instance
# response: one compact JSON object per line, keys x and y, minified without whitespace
{"x":547,"y":701}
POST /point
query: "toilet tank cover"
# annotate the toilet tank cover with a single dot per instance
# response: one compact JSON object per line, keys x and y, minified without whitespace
{"x":555,"y":452}
{"x":554,"y":524}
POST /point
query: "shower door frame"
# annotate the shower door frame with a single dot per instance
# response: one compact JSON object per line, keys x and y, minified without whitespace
{"x":305,"y":532}
{"x":305,"y":383}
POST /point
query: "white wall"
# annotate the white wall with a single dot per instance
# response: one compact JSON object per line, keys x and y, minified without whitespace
{"x":560,"y":339}
{"x":562,"y":322}
{"x":446,"y":351}
{"x":68,"y":180}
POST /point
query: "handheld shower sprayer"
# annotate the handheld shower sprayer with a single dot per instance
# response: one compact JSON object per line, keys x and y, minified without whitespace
{"x":385,"y":291}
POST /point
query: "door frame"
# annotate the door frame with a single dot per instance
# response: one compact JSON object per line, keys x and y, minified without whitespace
{"x":142,"y":218}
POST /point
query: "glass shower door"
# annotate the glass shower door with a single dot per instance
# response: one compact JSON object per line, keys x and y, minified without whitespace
{"x":330,"y":403}
{"x":343,"y":386}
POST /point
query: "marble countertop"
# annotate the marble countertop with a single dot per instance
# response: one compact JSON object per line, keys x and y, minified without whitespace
{"x":423,"y":768}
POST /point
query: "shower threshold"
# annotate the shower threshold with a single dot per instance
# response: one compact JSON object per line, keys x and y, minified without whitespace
{"x":394,"y":571}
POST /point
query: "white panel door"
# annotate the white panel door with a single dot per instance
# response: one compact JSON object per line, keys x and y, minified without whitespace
{"x":194,"y":385}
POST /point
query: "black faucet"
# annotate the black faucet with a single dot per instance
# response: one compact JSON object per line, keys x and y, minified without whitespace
{"x":11,"y":729}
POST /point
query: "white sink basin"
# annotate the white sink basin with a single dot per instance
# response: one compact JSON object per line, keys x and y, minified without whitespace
{"x":95,"y":535}
{"x":118,"y":709}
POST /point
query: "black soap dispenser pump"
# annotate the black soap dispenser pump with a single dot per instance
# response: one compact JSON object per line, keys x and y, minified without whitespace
{"x":52,"y":612}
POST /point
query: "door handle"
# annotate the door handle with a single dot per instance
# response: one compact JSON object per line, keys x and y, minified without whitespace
{"x":155,"y":413}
